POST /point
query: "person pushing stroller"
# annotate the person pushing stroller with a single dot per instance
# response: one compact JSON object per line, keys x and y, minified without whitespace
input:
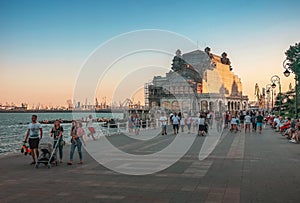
{"x":57,"y":134}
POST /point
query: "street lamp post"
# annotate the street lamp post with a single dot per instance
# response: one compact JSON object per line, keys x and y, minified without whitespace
{"x":276,"y":79}
{"x":268,"y":87}
{"x":286,"y":73}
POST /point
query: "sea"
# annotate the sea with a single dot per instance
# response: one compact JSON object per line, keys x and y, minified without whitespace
{"x":13,"y":127}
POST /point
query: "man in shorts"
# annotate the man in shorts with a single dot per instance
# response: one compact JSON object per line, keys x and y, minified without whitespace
{"x":259,"y":122}
{"x":242,"y":119}
{"x":163,"y":119}
{"x":175,"y":122}
{"x":247,"y":122}
{"x":35,"y":133}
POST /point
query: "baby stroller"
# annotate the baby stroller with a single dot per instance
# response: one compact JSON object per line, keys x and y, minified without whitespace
{"x":47,"y":153}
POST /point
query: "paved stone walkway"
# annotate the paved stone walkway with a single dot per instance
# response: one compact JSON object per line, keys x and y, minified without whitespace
{"x":241,"y":168}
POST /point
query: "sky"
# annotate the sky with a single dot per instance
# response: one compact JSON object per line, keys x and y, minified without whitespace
{"x":44,"y":44}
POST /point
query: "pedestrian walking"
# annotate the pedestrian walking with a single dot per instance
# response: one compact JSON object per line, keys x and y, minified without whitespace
{"x":182,"y":123}
{"x":242,"y":119}
{"x":163,"y":119}
{"x":202,"y":123}
{"x":137,"y":124}
{"x":57,"y":134}
{"x":77,"y":133}
{"x":253,"y":120}
{"x":234,"y":124}
{"x":175,"y":122}
{"x":189,"y":123}
{"x":33,"y":136}
{"x":259,"y":122}
{"x":90,"y":126}
{"x":247,"y":122}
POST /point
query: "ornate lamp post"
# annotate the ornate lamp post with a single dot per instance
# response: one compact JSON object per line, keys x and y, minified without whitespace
{"x":286,"y":73}
{"x":276,"y":79}
{"x":268,"y":88}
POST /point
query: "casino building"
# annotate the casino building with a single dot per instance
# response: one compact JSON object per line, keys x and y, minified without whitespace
{"x":197,"y":81}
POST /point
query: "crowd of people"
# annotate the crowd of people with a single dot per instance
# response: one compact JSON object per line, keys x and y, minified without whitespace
{"x":134,"y":124}
{"x":244,"y":120}
{"x":201,"y":123}
{"x":288,"y":127}
{"x":237,"y":121}
{"x":192,"y":123}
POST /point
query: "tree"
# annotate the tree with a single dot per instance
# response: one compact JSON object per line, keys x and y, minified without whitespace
{"x":293,"y":62}
{"x":293,"y":57}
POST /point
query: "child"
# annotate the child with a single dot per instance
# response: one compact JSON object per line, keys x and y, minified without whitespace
{"x":89,"y":125}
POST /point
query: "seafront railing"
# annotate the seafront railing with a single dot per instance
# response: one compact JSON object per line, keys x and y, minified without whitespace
{"x":109,"y":129}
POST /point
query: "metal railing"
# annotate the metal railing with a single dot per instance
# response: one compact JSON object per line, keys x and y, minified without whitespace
{"x":108,"y":129}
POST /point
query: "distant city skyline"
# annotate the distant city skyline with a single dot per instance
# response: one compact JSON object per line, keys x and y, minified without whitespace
{"x":45,"y":43}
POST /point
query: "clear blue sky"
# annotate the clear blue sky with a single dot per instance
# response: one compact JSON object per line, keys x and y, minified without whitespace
{"x":59,"y":35}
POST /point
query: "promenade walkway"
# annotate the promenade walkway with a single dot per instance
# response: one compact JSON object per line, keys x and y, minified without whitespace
{"x":242,"y":168}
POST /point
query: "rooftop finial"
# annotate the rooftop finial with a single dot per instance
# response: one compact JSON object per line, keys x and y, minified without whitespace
{"x":178,"y":53}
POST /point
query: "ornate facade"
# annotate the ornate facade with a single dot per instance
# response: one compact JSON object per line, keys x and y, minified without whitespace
{"x":197,"y":81}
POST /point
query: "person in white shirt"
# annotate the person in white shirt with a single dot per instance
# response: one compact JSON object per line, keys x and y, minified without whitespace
{"x":189,"y":123}
{"x":176,"y":121}
{"x":202,"y":124}
{"x":209,"y":119}
{"x":247,"y":122}
{"x":233,"y":124}
{"x":182,"y":123}
{"x":163,"y":119}
{"x":89,"y":125}
{"x":276,"y":122}
{"x":35,"y":134}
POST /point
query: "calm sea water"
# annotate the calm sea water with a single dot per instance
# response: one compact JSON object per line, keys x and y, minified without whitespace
{"x":13,"y":127}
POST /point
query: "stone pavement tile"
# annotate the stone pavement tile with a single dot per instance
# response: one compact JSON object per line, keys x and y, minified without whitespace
{"x":153,"y":196}
{"x":232,"y":195}
{"x":232,"y":190}
{"x":163,"y":194}
{"x":178,"y":168}
{"x":214,"y":197}
{"x":174,"y":186}
{"x":181,"y":197}
{"x":201,"y":188}
{"x":215,"y":194}
{"x":234,"y":181}
{"x":131,"y":199}
{"x":217,"y":190}
{"x":127,"y":192}
{"x":11,"y":197}
{"x":229,"y":199}
{"x":156,"y":200}
{"x":198,"y":197}
{"x":191,"y":187}
{"x":189,"y":184}
{"x":108,"y":197}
